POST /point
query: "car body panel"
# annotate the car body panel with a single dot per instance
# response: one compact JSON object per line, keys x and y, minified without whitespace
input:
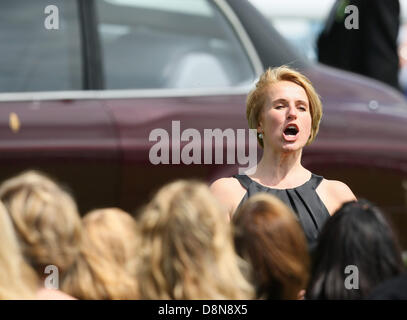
{"x":73,"y":141}
{"x":138,"y":118}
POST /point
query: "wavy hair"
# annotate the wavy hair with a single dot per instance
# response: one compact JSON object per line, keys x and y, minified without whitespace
{"x":17,"y":279}
{"x":105,"y":268}
{"x":186,"y":247}
{"x":46,"y":220}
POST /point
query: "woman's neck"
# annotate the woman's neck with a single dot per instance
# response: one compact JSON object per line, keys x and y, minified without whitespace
{"x":277,"y":168}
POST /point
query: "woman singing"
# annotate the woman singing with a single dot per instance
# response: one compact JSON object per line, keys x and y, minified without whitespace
{"x":285,"y":110}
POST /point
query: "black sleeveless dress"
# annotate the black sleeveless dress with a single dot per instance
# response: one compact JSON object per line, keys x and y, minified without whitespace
{"x":303,"y":200}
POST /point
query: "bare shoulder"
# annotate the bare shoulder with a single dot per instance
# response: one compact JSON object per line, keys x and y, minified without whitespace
{"x":340,"y":190}
{"x":228,"y":191}
{"x":334,"y":193}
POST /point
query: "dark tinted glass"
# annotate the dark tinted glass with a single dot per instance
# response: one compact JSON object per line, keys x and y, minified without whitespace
{"x":169,"y":44}
{"x":34,"y":58}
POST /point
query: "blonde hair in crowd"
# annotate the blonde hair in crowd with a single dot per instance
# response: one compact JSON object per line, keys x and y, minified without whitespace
{"x":257,"y":97}
{"x":46,"y":220}
{"x":268,"y":235}
{"x":105,"y":268}
{"x":186,"y":247}
{"x":17,"y":279}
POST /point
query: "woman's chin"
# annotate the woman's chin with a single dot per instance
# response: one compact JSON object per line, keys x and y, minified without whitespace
{"x":288,"y":146}
{"x":293,"y":146}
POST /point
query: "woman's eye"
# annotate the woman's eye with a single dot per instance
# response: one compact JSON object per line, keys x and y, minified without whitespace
{"x":279,"y":107}
{"x":303,"y":108}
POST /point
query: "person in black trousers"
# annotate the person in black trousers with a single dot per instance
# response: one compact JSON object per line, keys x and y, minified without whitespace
{"x":363,"y":41}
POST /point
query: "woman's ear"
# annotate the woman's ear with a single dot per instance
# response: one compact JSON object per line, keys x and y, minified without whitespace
{"x":260,"y":127}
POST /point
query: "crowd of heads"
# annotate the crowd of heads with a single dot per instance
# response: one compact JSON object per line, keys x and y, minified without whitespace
{"x":181,"y":245}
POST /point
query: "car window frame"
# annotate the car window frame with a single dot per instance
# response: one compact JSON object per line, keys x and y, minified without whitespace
{"x":92,"y":73}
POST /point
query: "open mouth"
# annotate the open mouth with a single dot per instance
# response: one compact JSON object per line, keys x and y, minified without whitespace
{"x":290,"y":133}
{"x":291,"y":130}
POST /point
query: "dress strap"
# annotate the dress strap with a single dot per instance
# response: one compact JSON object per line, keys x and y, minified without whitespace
{"x":316,"y":180}
{"x":244,"y":180}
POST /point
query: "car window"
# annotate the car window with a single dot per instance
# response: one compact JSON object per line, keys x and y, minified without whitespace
{"x":34,"y":58}
{"x":169,"y":44}
{"x":300,"y":22}
{"x":301,"y":33}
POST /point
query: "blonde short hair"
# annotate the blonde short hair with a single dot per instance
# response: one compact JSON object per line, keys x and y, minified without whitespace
{"x":105,"y":269}
{"x":17,"y":279}
{"x":46,"y":220}
{"x":187,"y":250}
{"x":268,"y":235}
{"x":257,"y":98}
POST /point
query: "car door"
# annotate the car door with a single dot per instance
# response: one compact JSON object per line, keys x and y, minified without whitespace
{"x":47,"y":121}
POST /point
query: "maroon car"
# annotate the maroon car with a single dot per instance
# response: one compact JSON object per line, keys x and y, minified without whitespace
{"x":80,"y":100}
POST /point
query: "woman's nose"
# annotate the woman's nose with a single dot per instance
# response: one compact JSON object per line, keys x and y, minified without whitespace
{"x":292,"y":112}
